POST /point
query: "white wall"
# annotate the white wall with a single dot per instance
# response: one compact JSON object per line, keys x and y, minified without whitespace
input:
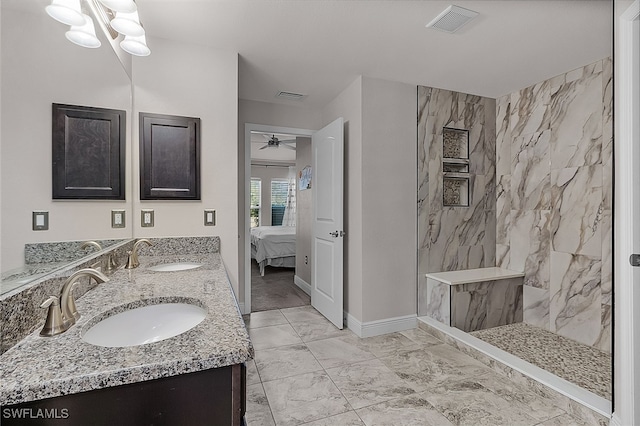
{"x":380,"y":198}
{"x":389,"y":199}
{"x":194,"y":81}
{"x":267,"y":174}
{"x":40,"y":67}
{"x":303,"y":211}
{"x":348,"y":104}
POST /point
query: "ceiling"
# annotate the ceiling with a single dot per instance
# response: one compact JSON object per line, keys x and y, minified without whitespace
{"x":318,"y":48}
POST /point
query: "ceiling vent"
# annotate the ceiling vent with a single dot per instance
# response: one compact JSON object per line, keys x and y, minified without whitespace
{"x":290,"y":96}
{"x":452,"y":19}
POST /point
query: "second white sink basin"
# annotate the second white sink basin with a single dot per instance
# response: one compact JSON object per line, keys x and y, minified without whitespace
{"x":146,"y":324}
{"x":178,"y":266}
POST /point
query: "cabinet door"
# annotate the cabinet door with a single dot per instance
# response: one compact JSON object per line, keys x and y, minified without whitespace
{"x":169,"y":157}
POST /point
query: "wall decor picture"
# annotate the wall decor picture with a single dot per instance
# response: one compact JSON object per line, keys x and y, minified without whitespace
{"x":169,"y":157}
{"x":304,"y":178}
{"x":88,"y":145}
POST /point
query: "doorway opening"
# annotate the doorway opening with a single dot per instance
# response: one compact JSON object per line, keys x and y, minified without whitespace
{"x":272,"y":222}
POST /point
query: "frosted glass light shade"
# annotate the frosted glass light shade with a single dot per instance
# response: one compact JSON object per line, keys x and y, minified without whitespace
{"x":126,"y":6}
{"x":127,"y":24}
{"x":84,"y":35}
{"x":136,"y":46}
{"x":66,"y":11}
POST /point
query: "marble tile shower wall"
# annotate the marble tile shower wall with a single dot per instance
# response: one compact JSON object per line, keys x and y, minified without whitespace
{"x":554,"y":200}
{"x":454,"y":238}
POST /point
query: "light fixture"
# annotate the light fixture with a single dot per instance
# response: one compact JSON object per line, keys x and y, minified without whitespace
{"x":126,"y":6}
{"x":84,"y":35}
{"x":66,"y":11}
{"x":136,"y":46}
{"x":127,"y":24}
{"x":83,"y":32}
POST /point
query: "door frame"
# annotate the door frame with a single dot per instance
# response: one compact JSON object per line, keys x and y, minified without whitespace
{"x":626,"y":378}
{"x":245,"y":305}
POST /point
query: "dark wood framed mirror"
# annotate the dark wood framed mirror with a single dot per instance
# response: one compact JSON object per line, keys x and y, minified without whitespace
{"x":169,"y":157}
{"x":88,"y":153}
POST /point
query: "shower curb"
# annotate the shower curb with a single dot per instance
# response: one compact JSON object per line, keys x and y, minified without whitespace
{"x":580,"y":403}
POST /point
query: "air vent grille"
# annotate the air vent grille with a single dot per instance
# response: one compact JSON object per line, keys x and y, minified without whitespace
{"x":290,"y":95}
{"x":452,"y":19}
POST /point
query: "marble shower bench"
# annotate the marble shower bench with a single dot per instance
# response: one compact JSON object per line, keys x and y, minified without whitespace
{"x":475,"y":299}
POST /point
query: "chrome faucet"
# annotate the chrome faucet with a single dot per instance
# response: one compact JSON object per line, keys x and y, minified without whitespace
{"x":67,"y":302}
{"x":91,"y":244}
{"x":132,"y":261}
{"x":62,"y":312}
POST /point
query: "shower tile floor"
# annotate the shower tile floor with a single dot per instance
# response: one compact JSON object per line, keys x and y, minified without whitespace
{"x":583,"y":365}
{"x":308,"y":372}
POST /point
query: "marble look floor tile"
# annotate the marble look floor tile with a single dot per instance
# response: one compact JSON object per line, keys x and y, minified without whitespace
{"x":410,"y":411}
{"x":467,"y":402}
{"x":563,"y":420}
{"x":285,"y":361}
{"x":350,"y":418}
{"x":302,"y":314}
{"x":273,"y":336}
{"x":426,"y":368}
{"x":388,"y":344}
{"x":252,"y":373}
{"x":421,"y":337}
{"x":534,"y":405}
{"x":258,"y":411}
{"x":264,"y":319}
{"x":304,"y":398}
{"x":339,"y":351}
{"x":318,"y":329}
{"x":368,"y":382}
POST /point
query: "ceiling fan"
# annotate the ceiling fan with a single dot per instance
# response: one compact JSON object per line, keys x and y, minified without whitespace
{"x":274,"y":142}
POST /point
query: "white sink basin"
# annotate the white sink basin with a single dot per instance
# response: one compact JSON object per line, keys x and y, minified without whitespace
{"x":146,"y":324}
{"x":178,"y":266}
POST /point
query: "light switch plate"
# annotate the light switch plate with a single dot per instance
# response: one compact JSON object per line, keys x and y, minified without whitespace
{"x":118,"y":219}
{"x":209,"y":218}
{"x":40,"y":221}
{"x":146,"y":218}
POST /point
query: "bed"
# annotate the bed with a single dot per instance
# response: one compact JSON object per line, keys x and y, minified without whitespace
{"x":274,"y":246}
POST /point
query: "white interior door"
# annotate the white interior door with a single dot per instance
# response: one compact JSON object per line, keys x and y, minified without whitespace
{"x":627,"y":221}
{"x":327,"y":228}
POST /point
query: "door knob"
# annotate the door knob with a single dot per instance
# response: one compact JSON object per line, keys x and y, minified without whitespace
{"x":334,"y":234}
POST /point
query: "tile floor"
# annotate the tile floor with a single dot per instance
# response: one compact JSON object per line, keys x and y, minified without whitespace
{"x":275,"y":290}
{"x":308,"y":372}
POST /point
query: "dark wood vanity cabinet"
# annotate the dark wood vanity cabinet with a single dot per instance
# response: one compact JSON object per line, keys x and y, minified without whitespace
{"x":215,"y":397}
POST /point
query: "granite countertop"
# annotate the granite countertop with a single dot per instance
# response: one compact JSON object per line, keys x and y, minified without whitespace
{"x":466,"y":276}
{"x":44,"y":367}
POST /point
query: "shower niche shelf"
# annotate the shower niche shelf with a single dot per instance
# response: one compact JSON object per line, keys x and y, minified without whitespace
{"x":455,"y":167}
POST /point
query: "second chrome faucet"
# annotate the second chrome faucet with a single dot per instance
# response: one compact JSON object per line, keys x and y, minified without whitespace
{"x":132,"y":261}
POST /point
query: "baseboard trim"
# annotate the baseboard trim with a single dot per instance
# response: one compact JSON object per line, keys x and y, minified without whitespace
{"x":304,"y":286}
{"x":378,"y":327}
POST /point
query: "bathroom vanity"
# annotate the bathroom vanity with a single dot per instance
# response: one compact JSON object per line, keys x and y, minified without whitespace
{"x":197,"y":377}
